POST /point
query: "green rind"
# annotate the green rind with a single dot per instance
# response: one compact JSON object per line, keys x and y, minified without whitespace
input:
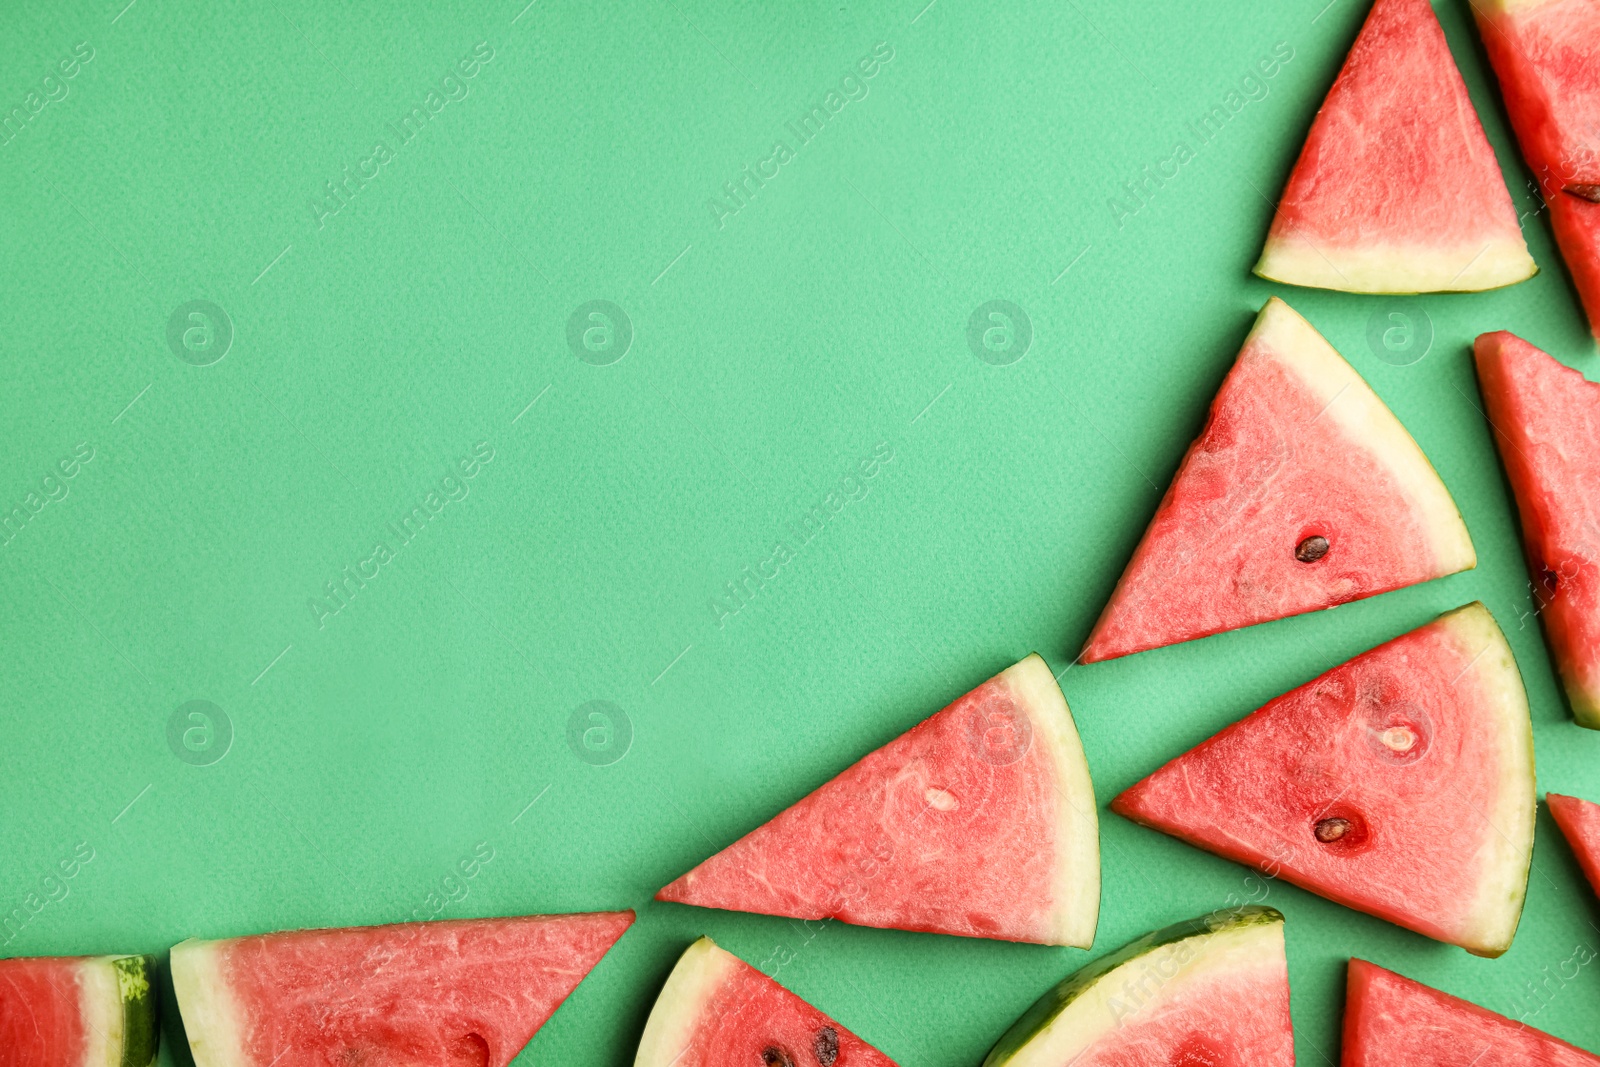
{"x":1045,"y":1010}
{"x":141,"y":1009}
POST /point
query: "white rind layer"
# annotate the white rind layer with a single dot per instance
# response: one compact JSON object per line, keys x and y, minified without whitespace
{"x":1075,"y":897}
{"x":1163,"y":976}
{"x":701,"y":971}
{"x":1378,"y":268}
{"x":1507,"y":850}
{"x":100,"y":1004}
{"x":210,"y":1016}
{"x":1348,"y":403}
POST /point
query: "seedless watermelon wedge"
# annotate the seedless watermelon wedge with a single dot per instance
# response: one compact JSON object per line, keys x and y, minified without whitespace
{"x":1211,"y":992}
{"x":1391,"y":1021}
{"x":456,"y":993}
{"x":1397,"y":189}
{"x":1580,"y":823}
{"x":1302,"y":492}
{"x":78,"y":1011}
{"x":1399,"y":784}
{"x":1546,"y":419}
{"x":1546,"y":54}
{"x":718,"y":1011}
{"x":980,"y":822}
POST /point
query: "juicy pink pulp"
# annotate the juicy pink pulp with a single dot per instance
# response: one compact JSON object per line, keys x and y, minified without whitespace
{"x":1580,"y":824}
{"x":1546,"y":419}
{"x":1269,"y":469}
{"x":1388,"y":742}
{"x":41,"y":1021}
{"x":1391,"y":1021}
{"x":939,"y":831}
{"x":461,"y":993}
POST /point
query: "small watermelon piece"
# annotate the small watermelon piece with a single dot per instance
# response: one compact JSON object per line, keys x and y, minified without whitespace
{"x":1546,"y":55}
{"x":1391,"y":1021}
{"x":1303,"y":491}
{"x":1580,"y":823}
{"x":454,"y":993}
{"x":1546,"y":419}
{"x":78,"y":1011}
{"x":718,"y":1011}
{"x":980,"y":822}
{"x":1397,"y":189}
{"x":1399,"y":783}
{"x":1213,"y":991}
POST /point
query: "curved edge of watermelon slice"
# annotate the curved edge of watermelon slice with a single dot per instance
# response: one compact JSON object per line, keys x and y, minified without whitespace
{"x":1082,"y":1008}
{"x":1076,"y":911}
{"x":1364,"y":418}
{"x":210,"y":1017}
{"x":700,"y":972}
{"x":120,"y":1009}
{"x":1394,"y":270}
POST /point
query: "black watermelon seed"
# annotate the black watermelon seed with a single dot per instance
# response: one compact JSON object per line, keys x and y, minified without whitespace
{"x":1330,"y":830}
{"x":826,"y":1046}
{"x":1311,"y":549}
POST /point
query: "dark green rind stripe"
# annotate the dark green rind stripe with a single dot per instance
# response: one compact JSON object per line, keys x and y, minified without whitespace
{"x":1047,"y":1007}
{"x":141,"y":1006}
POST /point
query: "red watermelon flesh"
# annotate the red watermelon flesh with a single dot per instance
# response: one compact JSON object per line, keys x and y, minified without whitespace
{"x":1580,"y":822}
{"x":455,"y":993}
{"x":1391,"y":1021}
{"x":718,"y":1011}
{"x":978,"y":822}
{"x":1399,"y":784}
{"x":1546,"y":419}
{"x":1546,"y":54}
{"x":1298,"y":455}
{"x":77,"y":1011}
{"x":1397,"y":189}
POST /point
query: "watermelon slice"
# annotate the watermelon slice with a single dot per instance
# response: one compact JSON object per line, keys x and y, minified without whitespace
{"x":1391,"y":1021}
{"x":78,"y":1011}
{"x":1397,"y":189}
{"x":980,"y":822}
{"x":1547,"y":419}
{"x":456,"y":993}
{"x":718,"y":1011}
{"x":1302,"y":491}
{"x":1399,"y":784}
{"x":1546,"y":54}
{"x":1211,"y":992}
{"x":1580,"y":822}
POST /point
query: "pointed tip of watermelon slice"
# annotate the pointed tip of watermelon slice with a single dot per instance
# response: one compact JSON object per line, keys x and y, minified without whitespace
{"x":1579,"y":821}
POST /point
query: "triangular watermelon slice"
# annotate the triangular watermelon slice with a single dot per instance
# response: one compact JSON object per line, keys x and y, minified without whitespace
{"x":1580,"y":823}
{"x":1391,"y":1021}
{"x":1546,"y":419}
{"x":78,"y":1011}
{"x":1397,"y":189}
{"x":1302,"y":491}
{"x":1211,"y":992}
{"x":979,"y":821}
{"x":718,"y":1011}
{"x":1546,"y":54}
{"x":1399,"y":784}
{"x":455,"y":993}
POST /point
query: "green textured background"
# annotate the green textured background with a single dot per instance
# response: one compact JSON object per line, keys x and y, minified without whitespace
{"x":371,"y":753}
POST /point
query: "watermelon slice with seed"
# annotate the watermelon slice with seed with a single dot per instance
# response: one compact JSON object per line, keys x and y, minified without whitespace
{"x":1391,"y":1021}
{"x":1580,"y":823}
{"x":455,"y":993}
{"x":78,"y":1011}
{"x":1546,"y":55}
{"x":979,"y":822}
{"x":1211,"y":992}
{"x":1546,"y":419}
{"x":1302,"y":492}
{"x":1399,"y":784}
{"x":1397,"y":189}
{"x":718,"y":1011}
